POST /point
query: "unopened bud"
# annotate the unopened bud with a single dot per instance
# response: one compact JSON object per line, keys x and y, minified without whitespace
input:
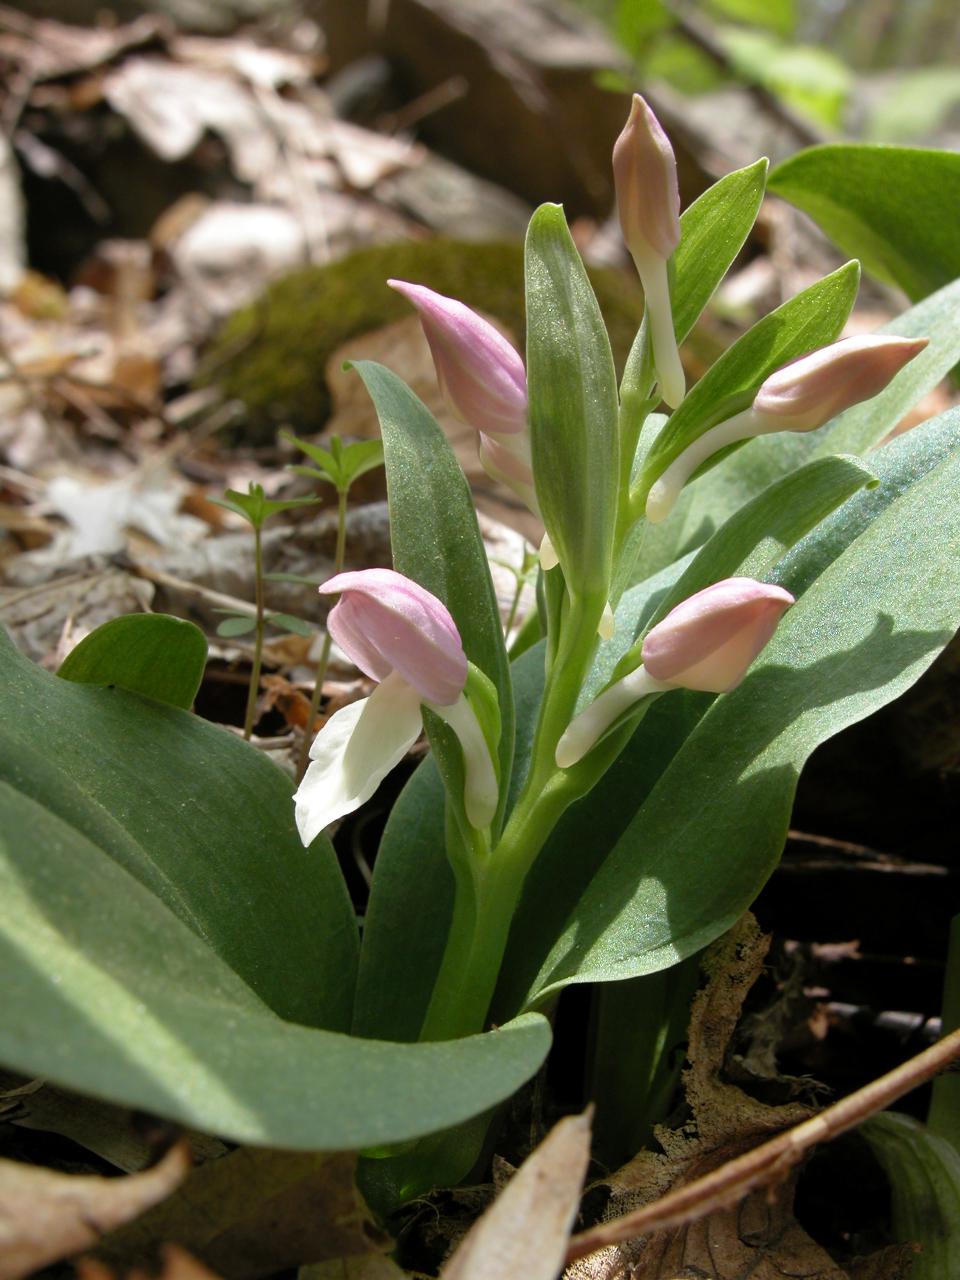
{"x":706,"y":643}
{"x":810,"y":391}
{"x":709,"y":641}
{"x":801,"y":396}
{"x":481,"y":376}
{"x":645,"y":175}
{"x":648,"y":202}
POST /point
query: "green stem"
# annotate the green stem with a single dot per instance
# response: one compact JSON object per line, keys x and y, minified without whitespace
{"x":488,"y":889}
{"x":254,"y":689}
{"x":321,"y":672}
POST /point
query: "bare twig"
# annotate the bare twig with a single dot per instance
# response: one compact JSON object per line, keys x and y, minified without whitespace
{"x":770,"y":1162}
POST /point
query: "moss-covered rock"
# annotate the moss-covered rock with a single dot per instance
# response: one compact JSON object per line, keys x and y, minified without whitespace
{"x":272,"y":355}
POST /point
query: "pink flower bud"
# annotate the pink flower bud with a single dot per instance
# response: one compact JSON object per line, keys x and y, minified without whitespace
{"x":481,"y":376}
{"x":648,"y":201}
{"x":645,"y":176}
{"x":385,"y":622}
{"x":810,"y":391}
{"x":709,"y":641}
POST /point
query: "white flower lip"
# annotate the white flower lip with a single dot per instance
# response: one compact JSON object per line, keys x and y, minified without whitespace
{"x":354,"y":752}
{"x":403,"y":636}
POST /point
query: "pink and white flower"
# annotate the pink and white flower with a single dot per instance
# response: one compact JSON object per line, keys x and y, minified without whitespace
{"x":708,"y":642}
{"x":801,"y":396}
{"x":402,"y":636}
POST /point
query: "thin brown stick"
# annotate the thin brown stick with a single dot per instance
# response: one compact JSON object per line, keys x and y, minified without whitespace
{"x":768,"y":1163}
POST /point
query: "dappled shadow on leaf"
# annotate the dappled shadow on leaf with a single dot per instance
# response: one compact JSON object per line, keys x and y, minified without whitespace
{"x":712,"y":827}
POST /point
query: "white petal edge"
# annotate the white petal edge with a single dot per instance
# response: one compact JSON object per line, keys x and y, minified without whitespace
{"x":586,"y":729}
{"x":354,"y":752}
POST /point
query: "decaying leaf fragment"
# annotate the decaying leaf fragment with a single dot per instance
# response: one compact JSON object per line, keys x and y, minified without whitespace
{"x":45,"y":1215}
{"x":525,"y":1230}
{"x":254,"y":1212}
{"x":759,"y":1237}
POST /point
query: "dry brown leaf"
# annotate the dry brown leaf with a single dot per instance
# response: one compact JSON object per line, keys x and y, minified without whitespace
{"x":45,"y":1216}
{"x":255,"y":1212}
{"x":758,"y":1238}
{"x":524,"y":1232}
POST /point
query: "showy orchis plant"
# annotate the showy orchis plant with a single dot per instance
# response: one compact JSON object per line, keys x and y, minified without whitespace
{"x":595,"y":812}
{"x":596,"y":466}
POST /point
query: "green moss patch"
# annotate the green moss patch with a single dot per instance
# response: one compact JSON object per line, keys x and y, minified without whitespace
{"x":272,"y":355}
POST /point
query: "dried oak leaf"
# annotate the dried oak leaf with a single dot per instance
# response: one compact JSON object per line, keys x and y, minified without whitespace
{"x":45,"y":1216}
{"x":758,"y":1238}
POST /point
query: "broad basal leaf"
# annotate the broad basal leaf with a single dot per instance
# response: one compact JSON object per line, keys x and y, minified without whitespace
{"x":895,"y":208}
{"x":158,"y":916}
{"x":203,"y":820}
{"x":107,"y":992}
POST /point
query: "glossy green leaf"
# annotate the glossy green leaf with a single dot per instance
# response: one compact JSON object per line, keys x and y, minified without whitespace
{"x":923,"y":1172}
{"x":894,"y":207}
{"x":865,"y":628}
{"x":408,"y":913}
{"x":573,"y":410}
{"x":147,"y":867}
{"x":713,"y":497}
{"x":108,"y":993}
{"x":200,"y":818}
{"x":150,"y":653}
{"x":812,"y":318}
{"x":713,"y":230}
